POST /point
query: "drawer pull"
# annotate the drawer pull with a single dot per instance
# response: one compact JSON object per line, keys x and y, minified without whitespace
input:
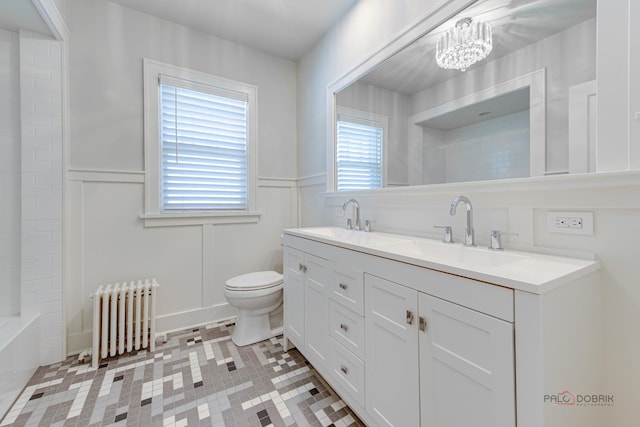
{"x":344,"y":327}
{"x":409,"y":317}
{"x":344,"y":369}
{"x":422,"y":322}
{"x":343,"y":286}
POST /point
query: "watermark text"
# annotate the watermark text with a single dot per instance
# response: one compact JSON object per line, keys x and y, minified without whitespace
{"x":567,"y":398}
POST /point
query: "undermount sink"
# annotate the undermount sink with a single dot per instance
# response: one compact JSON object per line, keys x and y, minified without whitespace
{"x":419,"y":248}
{"x":356,"y":237}
{"x":451,"y":253}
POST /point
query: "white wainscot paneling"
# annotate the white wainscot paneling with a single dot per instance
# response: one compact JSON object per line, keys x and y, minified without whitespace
{"x":242,"y":248}
{"x":109,"y":243}
{"x":116,"y":247}
{"x":311,"y":204}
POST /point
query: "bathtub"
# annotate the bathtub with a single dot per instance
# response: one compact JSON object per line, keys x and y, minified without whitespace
{"x":19,"y":356}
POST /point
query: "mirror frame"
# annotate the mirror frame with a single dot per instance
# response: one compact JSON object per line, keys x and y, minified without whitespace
{"x":610,"y":157}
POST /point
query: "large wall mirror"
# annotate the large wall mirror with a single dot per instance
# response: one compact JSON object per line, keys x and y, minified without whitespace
{"x":526,"y":109}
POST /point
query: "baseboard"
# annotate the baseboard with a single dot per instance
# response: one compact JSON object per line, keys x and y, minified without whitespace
{"x":164,"y":324}
{"x":186,"y":319}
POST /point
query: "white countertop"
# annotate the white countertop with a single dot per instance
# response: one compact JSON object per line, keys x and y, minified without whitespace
{"x":525,"y":271}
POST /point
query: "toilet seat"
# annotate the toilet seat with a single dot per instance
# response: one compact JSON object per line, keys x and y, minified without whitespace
{"x":254,"y":281}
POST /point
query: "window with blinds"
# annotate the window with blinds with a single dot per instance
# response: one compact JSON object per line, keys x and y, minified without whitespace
{"x":203,"y":132}
{"x":358,"y":155}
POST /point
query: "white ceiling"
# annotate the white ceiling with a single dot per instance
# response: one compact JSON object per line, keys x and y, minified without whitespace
{"x":285,"y":28}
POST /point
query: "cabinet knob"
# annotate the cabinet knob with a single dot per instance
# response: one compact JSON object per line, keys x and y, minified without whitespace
{"x":409,"y":317}
{"x":422,"y":322}
{"x":302,"y":268}
{"x":344,"y":369}
{"x":342,"y":286}
{"x":344,"y":327}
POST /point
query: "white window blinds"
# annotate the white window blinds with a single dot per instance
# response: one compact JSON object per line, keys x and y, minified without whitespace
{"x":358,"y":156}
{"x":204,"y":147}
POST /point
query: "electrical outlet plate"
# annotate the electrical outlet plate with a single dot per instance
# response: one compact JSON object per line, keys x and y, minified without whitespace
{"x":570,"y":222}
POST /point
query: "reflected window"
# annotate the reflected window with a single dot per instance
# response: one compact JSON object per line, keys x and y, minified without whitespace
{"x":358,"y":153}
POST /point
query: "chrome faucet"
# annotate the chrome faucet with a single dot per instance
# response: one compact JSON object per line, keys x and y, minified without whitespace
{"x":469,"y":239}
{"x":349,"y":221}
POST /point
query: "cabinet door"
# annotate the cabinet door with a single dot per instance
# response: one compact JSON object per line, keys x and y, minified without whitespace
{"x":317,"y":280}
{"x":466,"y":367}
{"x":391,"y":366}
{"x":294,"y":296}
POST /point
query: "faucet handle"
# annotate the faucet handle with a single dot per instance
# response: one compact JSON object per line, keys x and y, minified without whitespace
{"x":496,"y":240}
{"x":448,"y":233}
{"x":367,"y":226}
{"x":349,"y":224}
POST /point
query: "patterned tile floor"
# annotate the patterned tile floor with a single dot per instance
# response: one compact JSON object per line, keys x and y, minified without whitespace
{"x":197,"y":378}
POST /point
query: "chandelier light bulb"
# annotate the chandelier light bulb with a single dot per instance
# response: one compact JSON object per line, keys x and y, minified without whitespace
{"x":464,"y":45}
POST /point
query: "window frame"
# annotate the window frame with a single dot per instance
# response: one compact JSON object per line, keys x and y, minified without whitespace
{"x":363,"y":118}
{"x":153,"y":214}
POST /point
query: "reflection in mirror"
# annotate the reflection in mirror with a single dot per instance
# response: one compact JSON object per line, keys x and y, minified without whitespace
{"x":527,"y":109}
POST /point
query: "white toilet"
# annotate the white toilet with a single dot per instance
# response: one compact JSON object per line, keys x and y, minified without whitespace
{"x":258,"y":298}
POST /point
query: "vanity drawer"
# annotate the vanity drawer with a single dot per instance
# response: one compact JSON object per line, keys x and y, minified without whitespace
{"x":348,"y":288}
{"x":347,"y":328}
{"x":348,"y":371}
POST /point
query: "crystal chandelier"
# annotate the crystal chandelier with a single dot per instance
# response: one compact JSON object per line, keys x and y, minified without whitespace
{"x":464,"y":45}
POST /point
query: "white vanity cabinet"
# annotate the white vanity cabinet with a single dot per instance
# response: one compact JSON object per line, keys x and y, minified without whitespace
{"x":407,"y":341}
{"x":465,"y":360}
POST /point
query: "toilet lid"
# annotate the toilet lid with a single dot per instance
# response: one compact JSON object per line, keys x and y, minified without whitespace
{"x":253,"y":281}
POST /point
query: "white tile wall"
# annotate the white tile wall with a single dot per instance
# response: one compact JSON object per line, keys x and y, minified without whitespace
{"x":41,"y":117}
{"x":493,"y":149}
{"x":9,"y":174}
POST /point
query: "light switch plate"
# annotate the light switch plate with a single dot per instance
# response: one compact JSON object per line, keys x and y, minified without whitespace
{"x":570,"y":222}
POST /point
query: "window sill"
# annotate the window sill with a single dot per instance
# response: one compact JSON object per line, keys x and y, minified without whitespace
{"x":181,"y":219}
